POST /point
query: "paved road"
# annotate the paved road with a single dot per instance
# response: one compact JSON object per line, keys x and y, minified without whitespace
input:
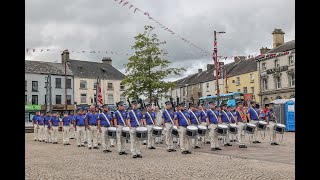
{"x":259,"y":161}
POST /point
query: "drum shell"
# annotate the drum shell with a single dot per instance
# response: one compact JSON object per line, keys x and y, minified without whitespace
{"x":192,"y":132}
{"x":156,"y":132}
{"x":279,"y":130}
{"x":249,"y":129}
{"x":125,"y":134}
{"x":222,"y":131}
{"x":233,"y":129}
{"x":175,"y":132}
{"x":142,"y":135}
{"x":112,"y":134}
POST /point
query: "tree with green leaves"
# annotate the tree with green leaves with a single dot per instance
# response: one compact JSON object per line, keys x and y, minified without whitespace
{"x":147,"y":69}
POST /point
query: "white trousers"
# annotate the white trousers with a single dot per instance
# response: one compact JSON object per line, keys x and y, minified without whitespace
{"x":195,"y":141}
{"x":47,"y":134}
{"x":213,"y":135}
{"x":99,"y":139}
{"x":104,"y":138}
{"x":169,"y":141}
{"x":92,"y":135}
{"x":35,"y":132}
{"x":206,"y":137}
{"x":80,"y":135}
{"x":85,"y":135}
{"x":65,"y":134}
{"x":135,"y":144}
{"x":184,"y":140}
{"x":41,"y":133}
{"x":272,"y":131}
{"x":150,"y":136}
{"x":72,"y":133}
{"x":226,"y":137}
{"x":54,"y":133}
{"x":240,"y":133}
{"x":256,"y":130}
{"x":120,"y":140}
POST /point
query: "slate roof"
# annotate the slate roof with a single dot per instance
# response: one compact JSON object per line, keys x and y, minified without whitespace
{"x":92,"y":70}
{"x":284,"y":47}
{"x":243,"y":67}
{"x":40,"y":67}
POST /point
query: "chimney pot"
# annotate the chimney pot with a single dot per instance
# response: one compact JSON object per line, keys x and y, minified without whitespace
{"x":199,"y":70}
{"x":107,"y":60}
{"x":278,"y":37}
{"x":65,"y":56}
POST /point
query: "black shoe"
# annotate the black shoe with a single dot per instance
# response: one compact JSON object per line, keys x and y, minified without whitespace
{"x":99,"y":144}
{"x":207,"y":142}
{"x":120,"y":153}
{"x":149,"y":147}
{"x":174,"y":150}
{"x":134,"y":156}
{"x":189,"y":152}
{"x":46,"y":142}
{"x":68,"y":144}
{"x":196,"y":147}
{"x":169,"y":150}
{"x":85,"y":142}
{"x":161,"y":142}
{"x":254,"y":142}
{"x":112,"y":146}
{"x":89,"y":147}
{"x":96,"y":147}
{"x":79,"y":145}
{"x":242,"y":146}
{"x":276,"y":143}
{"x":184,"y":152}
{"x":213,"y":149}
{"x":258,"y":142}
{"x":35,"y":140}
{"x":273,"y":144}
{"x":139,"y":156}
{"x":108,"y":150}
{"x":229,"y":144}
{"x":82,"y":145}
{"x":217,"y":148}
{"x":144,"y":143}
{"x":153,"y":147}
{"x":125,"y":153}
{"x":127,"y":141}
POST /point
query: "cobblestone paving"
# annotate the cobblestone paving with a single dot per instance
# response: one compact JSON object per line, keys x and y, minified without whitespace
{"x":258,"y":161}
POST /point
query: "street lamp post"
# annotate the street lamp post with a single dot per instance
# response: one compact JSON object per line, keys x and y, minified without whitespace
{"x":215,"y":58}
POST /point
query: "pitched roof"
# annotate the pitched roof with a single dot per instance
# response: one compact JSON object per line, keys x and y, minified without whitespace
{"x":91,"y":70}
{"x":284,"y":47}
{"x":40,"y":67}
{"x":243,"y":67}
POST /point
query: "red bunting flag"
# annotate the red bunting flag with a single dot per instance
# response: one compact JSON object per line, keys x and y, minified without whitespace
{"x":125,"y":3}
{"x":120,"y":1}
{"x":135,"y":9}
{"x":130,"y":6}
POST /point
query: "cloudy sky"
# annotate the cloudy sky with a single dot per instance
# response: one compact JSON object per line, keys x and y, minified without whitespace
{"x":106,"y":25}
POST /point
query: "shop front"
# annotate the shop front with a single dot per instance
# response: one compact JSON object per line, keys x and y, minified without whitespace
{"x":30,"y":111}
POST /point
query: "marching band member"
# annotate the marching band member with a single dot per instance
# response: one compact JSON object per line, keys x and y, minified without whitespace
{"x":253,"y":116}
{"x":213,"y":119}
{"x":271,"y":122}
{"x":85,"y":136}
{"x":134,"y":120}
{"x":203,"y":117}
{"x":105,"y":121}
{"x":40,"y":125}
{"x":35,"y":127}
{"x":167,"y":121}
{"x":225,"y":120}
{"x":79,"y":127}
{"x":97,"y":112}
{"x":54,"y":127}
{"x":66,"y":128}
{"x":150,"y":121}
{"x":91,"y":120}
{"x":159,"y":123}
{"x":46,"y":120}
{"x":72,"y":131}
{"x":240,"y":119}
{"x":182,"y":120}
{"x":195,"y":120}
{"x":231,"y":113}
{"x":119,"y":118}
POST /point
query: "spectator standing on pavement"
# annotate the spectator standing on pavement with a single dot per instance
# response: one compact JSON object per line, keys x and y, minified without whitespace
{"x":91,"y":125}
{"x":158,"y":113}
{"x":46,"y":120}
{"x":66,"y":121}
{"x":54,"y":127}
{"x":35,"y":127}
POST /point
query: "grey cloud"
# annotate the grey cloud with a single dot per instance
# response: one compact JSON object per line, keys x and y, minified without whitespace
{"x":107,"y":26}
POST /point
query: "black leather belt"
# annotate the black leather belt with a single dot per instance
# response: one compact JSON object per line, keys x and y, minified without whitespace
{"x":92,"y":125}
{"x":255,"y":119}
{"x":105,"y":126}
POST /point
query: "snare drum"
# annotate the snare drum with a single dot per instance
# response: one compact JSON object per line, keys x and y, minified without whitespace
{"x":262,"y":125}
{"x":175,"y":131}
{"x":250,"y":128}
{"x":202,"y":130}
{"x":112,"y":132}
{"x":222,"y":129}
{"x":157,"y":131}
{"x":280,"y":128}
{"x":233,"y":129}
{"x":192,"y":131}
{"x":141,"y":133}
{"x":125,"y":132}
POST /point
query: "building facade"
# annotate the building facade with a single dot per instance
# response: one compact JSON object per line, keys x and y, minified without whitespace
{"x":39,"y":76}
{"x":277,"y":70}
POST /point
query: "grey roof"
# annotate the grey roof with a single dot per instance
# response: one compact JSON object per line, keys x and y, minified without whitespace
{"x":91,"y":70}
{"x":243,"y":67}
{"x":40,"y":67}
{"x":284,"y":47}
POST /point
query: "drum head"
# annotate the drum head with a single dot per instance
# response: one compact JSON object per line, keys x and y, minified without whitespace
{"x":202,"y":127}
{"x":233,"y":125}
{"x":251,"y":125}
{"x":125,"y":129}
{"x":157,"y":127}
{"x":262,"y":122}
{"x":174,"y":127}
{"x":192,"y":128}
{"x":142,"y":129}
{"x":222,"y":126}
{"x":112,"y":128}
{"x":281,"y":125}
